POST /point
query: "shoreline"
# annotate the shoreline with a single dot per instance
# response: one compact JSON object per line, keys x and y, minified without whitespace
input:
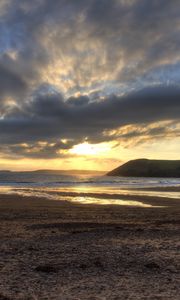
{"x":60,"y":250}
{"x":71,"y":195}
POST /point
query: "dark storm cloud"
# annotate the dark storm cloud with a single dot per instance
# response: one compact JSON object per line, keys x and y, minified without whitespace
{"x":11,"y":84}
{"x":36,"y":150}
{"x":51,"y":119}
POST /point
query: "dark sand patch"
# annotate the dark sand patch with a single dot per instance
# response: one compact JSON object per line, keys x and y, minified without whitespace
{"x":2,"y":297}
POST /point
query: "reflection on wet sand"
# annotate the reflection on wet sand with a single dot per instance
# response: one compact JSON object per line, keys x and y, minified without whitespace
{"x":99,"y":201}
{"x":82,"y":196}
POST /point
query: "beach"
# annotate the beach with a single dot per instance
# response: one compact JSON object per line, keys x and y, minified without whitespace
{"x":89,"y":150}
{"x":65,"y":250}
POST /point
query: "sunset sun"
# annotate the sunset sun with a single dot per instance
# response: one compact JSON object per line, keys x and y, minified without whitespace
{"x":89,"y":149}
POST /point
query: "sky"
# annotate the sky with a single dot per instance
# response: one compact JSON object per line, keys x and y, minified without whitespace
{"x":88,"y":84}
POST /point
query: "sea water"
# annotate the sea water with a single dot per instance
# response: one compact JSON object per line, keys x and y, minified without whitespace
{"x":88,"y":189}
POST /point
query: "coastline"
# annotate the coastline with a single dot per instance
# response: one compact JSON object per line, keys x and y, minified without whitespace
{"x":61,"y":250}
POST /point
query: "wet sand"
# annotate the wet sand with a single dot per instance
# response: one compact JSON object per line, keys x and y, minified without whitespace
{"x":61,"y":250}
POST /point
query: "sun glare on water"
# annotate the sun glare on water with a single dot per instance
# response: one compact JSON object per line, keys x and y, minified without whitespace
{"x":89,"y":149}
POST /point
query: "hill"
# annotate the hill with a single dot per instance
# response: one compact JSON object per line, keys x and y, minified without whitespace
{"x":148,"y":168}
{"x":58,"y":172}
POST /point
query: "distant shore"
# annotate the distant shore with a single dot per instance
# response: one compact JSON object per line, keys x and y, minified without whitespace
{"x":61,"y":250}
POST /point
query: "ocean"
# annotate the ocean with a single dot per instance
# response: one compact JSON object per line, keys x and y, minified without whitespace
{"x":88,"y":189}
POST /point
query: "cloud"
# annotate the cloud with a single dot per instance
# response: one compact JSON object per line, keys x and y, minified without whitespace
{"x":74,"y":70}
{"x":52,"y":119}
{"x":130,"y":136}
{"x":80,"y":45}
{"x":11,"y":83}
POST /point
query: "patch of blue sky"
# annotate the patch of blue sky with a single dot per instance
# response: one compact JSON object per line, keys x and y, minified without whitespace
{"x":11,"y":39}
